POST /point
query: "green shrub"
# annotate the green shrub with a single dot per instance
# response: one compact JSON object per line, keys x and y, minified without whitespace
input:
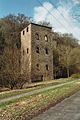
{"x":12,"y":81}
{"x":76,"y":75}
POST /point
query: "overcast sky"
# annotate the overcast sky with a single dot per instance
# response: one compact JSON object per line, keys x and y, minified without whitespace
{"x":60,"y":13}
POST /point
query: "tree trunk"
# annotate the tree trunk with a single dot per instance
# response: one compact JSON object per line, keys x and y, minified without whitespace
{"x":68,"y":72}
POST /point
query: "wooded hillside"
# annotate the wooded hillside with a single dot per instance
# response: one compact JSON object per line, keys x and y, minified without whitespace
{"x":66,"y":55}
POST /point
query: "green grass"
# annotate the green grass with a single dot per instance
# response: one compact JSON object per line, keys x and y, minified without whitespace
{"x":28,"y":105}
{"x":35,"y":86}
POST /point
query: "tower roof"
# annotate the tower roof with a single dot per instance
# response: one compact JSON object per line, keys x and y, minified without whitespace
{"x":41,"y":25}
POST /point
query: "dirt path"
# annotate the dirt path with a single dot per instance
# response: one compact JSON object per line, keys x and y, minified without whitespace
{"x":33,"y":92}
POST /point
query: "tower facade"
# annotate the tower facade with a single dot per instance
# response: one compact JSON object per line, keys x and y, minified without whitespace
{"x":37,"y":52}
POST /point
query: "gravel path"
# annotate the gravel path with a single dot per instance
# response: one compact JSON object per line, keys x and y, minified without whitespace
{"x":33,"y":92}
{"x":69,"y":109}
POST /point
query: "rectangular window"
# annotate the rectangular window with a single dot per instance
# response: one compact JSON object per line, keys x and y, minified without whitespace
{"x":23,"y":32}
{"x":37,"y":49}
{"x":19,"y":62}
{"x":27,"y":50}
{"x":0,"y":67}
{"x":27,"y":29}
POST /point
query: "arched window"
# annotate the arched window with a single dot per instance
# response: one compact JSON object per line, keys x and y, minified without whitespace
{"x":37,"y":36}
{"x":23,"y":52}
{"x":46,"y":50}
{"x":37,"y":65}
{"x":46,"y":38}
{"x":19,"y":62}
{"x":18,"y":45}
{"x":47,"y":68}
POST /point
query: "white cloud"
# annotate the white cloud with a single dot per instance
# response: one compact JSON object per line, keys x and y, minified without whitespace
{"x":76,"y":1}
{"x":59,"y":23}
{"x":40,"y":12}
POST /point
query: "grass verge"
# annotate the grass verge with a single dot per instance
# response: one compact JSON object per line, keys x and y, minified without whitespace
{"x":33,"y":86}
{"x":27,"y":107}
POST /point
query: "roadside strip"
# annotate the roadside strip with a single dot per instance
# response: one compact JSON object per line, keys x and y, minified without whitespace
{"x":34,"y":92}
